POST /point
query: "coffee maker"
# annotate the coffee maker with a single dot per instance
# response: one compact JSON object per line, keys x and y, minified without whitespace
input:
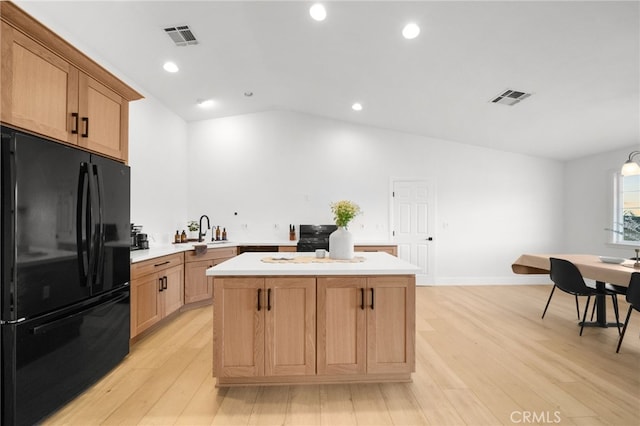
{"x":139,"y":240}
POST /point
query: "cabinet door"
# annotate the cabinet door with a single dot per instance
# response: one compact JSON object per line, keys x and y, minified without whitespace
{"x":390,"y":324}
{"x":341,"y":325}
{"x":146,"y":308}
{"x":173,"y":294}
{"x":103,"y":119}
{"x":290,"y":326}
{"x":197,"y":285}
{"x":39,"y":89}
{"x":239,"y":310}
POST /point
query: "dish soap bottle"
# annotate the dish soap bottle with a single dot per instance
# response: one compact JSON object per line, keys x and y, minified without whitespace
{"x":217,"y":233}
{"x":183,"y":237}
{"x":177,"y":239}
{"x":224,"y":234}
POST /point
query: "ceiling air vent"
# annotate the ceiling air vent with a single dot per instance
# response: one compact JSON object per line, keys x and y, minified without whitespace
{"x":510,"y":97}
{"x":181,"y":35}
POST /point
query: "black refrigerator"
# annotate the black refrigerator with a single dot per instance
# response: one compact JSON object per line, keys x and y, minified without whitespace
{"x":64,"y":301}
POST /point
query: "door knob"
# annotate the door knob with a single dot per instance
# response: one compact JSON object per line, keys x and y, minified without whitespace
{"x":430,"y":239}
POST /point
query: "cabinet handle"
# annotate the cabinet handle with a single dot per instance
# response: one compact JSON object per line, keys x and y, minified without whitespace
{"x":160,"y":264}
{"x":160,"y":285}
{"x":371,"y":298}
{"x":75,"y":123}
{"x":259,"y":293}
{"x":85,"y":120}
{"x":165,"y":279}
{"x":268,"y":299}
{"x":362,"y":299}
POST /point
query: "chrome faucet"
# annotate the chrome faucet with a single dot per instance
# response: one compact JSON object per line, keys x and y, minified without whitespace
{"x":200,"y":233}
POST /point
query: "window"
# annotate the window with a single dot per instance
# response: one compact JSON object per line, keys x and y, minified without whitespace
{"x":626,"y":215}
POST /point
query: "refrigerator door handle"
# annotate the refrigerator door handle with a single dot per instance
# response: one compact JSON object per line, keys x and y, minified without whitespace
{"x":99,"y":234}
{"x":93,"y":227}
{"x":84,"y":253}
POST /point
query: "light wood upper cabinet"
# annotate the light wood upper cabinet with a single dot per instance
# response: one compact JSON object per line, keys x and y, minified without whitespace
{"x":39,"y":89}
{"x":103,"y":119}
{"x":51,"y":89}
{"x":264,"y":326}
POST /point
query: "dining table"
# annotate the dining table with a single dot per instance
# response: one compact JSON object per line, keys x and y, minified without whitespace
{"x":593,"y":267}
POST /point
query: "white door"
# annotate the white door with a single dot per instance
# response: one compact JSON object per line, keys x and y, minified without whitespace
{"x":413,"y":225}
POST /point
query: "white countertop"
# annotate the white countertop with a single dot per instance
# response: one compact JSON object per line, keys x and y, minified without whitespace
{"x":375,"y":263}
{"x":164,"y":250}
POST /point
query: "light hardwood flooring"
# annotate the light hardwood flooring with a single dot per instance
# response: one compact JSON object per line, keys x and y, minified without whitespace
{"x":483,"y":357}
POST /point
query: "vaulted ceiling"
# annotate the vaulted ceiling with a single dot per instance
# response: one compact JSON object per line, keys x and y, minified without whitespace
{"x":579,"y":60}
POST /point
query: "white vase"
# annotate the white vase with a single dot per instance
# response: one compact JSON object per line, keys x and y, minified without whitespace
{"x":341,"y":244}
{"x":193,"y":235}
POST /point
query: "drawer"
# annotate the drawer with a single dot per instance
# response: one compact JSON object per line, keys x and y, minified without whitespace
{"x":154,"y":265}
{"x":393,"y":250}
{"x":211,"y":254}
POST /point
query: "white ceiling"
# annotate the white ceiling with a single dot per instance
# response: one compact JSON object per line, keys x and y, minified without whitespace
{"x":580,"y":61}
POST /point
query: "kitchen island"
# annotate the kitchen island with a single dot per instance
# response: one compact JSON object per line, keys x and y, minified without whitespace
{"x":282,"y":318}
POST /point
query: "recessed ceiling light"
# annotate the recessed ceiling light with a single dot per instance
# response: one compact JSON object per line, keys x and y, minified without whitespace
{"x":318,"y":12}
{"x":356,"y":106}
{"x":205,"y":103}
{"x":170,"y":67}
{"x":410,"y":31}
{"x":248,"y":94}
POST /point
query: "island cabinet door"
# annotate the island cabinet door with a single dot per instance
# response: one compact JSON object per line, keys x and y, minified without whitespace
{"x":341,"y":325}
{"x":290,"y":326}
{"x":390,"y":324}
{"x":239,"y":311}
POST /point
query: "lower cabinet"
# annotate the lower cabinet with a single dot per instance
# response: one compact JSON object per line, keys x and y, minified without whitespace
{"x":197,"y":285}
{"x":157,"y":290}
{"x":391,"y":249}
{"x":265,"y":326}
{"x":366,"y":325}
{"x":313,"y":329}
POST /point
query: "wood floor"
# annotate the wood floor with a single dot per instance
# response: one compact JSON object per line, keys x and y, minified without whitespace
{"x":483,"y":357}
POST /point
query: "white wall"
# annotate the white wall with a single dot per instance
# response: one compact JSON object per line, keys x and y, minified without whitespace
{"x":158,"y":160}
{"x":157,"y":149}
{"x":589,"y":197}
{"x":276,"y":168}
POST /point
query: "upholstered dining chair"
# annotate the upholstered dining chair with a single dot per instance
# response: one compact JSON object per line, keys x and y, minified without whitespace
{"x":566,"y":276}
{"x":633,"y":297}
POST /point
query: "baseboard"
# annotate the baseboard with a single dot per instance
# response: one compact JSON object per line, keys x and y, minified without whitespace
{"x":505,"y":280}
